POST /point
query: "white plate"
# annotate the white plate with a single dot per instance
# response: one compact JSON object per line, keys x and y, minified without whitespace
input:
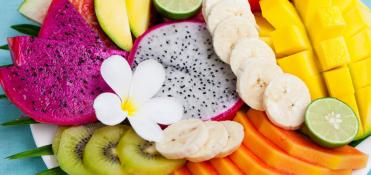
{"x":43,"y":135}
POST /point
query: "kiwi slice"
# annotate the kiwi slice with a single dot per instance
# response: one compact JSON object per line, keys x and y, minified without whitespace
{"x":71,"y":147}
{"x":140,"y":157}
{"x":57,"y":139}
{"x":100,"y":155}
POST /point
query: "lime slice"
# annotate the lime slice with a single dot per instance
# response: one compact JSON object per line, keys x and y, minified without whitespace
{"x":330,"y":122}
{"x":178,"y":9}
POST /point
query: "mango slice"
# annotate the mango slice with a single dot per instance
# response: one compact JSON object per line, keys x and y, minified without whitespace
{"x":344,"y":5}
{"x":304,"y":66}
{"x":280,"y":13}
{"x":360,"y":45}
{"x":265,"y":28}
{"x":298,"y":146}
{"x":201,"y":168}
{"x":289,"y":40}
{"x":333,"y":53}
{"x":277,"y":158}
{"x":225,"y":166}
{"x":339,"y":82}
{"x":250,"y":163}
{"x":361,"y":73}
{"x":364,"y":104}
{"x":308,"y":8}
{"x":357,"y":18}
{"x":329,"y":23}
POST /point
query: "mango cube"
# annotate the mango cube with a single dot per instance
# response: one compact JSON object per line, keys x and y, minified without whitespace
{"x":351,"y":101}
{"x":339,"y":82}
{"x":357,"y":18}
{"x":308,"y":8}
{"x":344,"y":5}
{"x":264,"y":27}
{"x":289,"y":40}
{"x":361,"y":73}
{"x":360,"y":45}
{"x":329,"y":23}
{"x":333,"y":53}
{"x":280,"y":13}
{"x":267,"y":40}
{"x":364,"y":104}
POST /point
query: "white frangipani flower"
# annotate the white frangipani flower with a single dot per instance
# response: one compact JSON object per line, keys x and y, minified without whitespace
{"x":134,"y":98}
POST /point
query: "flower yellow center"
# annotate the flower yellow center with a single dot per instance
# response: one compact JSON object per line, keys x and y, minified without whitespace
{"x":128,"y":107}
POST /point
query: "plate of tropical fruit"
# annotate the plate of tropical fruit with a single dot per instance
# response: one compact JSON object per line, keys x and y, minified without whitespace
{"x":194,"y":87}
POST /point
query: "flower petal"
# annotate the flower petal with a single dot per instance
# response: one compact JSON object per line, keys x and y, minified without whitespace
{"x":117,"y":73}
{"x":108,"y":110}
{"x":162,"y":110}
{"x":147,"y":129}
{"x":147,"y":81}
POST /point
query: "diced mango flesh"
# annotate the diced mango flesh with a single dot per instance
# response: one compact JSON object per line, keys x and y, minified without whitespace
{"x":364,"y":104}
{"x":344,"y":5}
{"x":333,"y":53}
{"x":308,"y":8}
{"x":360,"y":45}
{"x":345,"y":157}
{"x":357,"y":18}
{"x":265,"y":28}
{"x":329,"y":23}
{"x":289,"y":40}
{"x":287,"y":13}
{"x":339,"y":82}
{"x":361,"y":73}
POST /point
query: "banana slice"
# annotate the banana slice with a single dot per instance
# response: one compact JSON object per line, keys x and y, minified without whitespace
{"x":227,"y":34}
{"x":286,"y":99}
{"x":183,"y":138}
{"x":251,"y":83}
{"x":235,"y":137}
{"x":249,"y":48}
{"x":207,"y":5}
{"x":218,"y":139}
{"x":229,"y":8}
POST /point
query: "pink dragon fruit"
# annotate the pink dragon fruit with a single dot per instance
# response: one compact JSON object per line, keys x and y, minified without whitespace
{"x":195,"y":74}
{"x":53,"y":81}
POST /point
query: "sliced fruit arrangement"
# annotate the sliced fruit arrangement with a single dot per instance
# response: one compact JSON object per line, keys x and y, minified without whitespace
{"x":110,"y":150}
{"x":335,"y":54}
{"x":199,"y":141}
{"x":268,"y":149}
{"x":260,"y":82}
{"x":194,"y":74}
{"x":57,"y":92}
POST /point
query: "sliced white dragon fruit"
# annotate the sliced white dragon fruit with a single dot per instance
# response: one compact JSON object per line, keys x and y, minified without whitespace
{"x":194,"y":74}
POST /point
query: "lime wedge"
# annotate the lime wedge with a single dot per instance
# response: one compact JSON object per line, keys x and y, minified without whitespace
{"x":178,"y":9}
{"x":330,"y":122}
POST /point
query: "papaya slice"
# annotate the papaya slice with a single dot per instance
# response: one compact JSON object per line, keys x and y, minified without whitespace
{"x":298,"y":146}
{"x":201,"y":168}
{"x":181,"y":171}
{"x":224,"y":166}
{"x":277,"y":158}
{"x":250,"y":163}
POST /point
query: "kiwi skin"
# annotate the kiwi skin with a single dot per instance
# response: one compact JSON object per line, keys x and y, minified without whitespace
{"x":70,"y":151}
{"x":140,"y":157}
{"x":100,"y":155}
{"x":57,"y":139}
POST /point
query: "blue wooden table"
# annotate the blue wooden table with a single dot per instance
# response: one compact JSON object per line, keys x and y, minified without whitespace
{"x":16,"y":139}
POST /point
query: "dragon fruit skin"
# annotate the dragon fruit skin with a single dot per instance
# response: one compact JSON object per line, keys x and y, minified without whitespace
{"x":149,"y":45}
{"x":55,"y":82}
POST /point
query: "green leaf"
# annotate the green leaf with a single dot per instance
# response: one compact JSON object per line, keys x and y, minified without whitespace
{"x":357,"y":142}
{"x":53,"y":171}
{"x":37,"y":152}
{"x":4,"y":47}
{"x":2,"y":96}
{"x":20,"y":121}
{"x":27,"y":29}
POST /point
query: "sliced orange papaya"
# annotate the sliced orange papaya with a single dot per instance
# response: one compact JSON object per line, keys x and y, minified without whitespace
{"x":201,"y":168}
{"x":181,"y":171}
{"x":277,"y":158}
{"x":298,"y":146}
{"x":224,"y":166}
{"x":250,"y":164}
